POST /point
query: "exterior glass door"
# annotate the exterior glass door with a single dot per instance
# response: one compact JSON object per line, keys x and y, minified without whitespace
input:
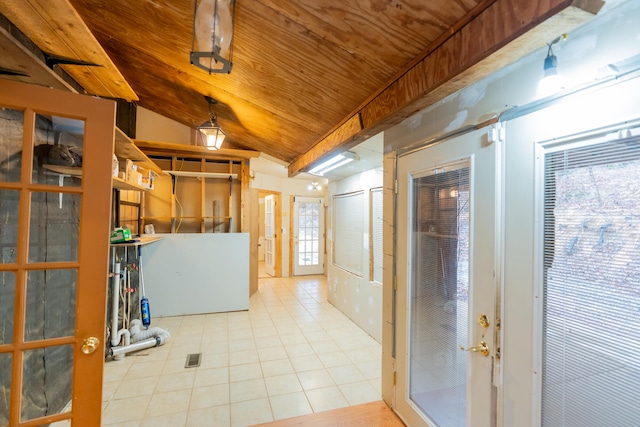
{"x":55,"y":186}
{"x":446,"y":290}
{"x":308,"y":239}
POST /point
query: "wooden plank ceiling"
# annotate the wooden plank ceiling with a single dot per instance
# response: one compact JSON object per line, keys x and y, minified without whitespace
{"x":310,"y":77}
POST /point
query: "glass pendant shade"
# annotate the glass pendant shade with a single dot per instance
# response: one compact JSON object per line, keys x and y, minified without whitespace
{"x":213,"y":35}
{"x":212,"y":135}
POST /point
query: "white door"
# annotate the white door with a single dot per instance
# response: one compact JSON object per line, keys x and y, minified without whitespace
{"x":308,"y":238}
{"x":270,"y":235}
{"x":446,"y":285}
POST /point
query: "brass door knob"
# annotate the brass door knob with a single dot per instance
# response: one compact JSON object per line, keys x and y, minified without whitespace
{"x":481,"y":348}
{"x":89,"y":345}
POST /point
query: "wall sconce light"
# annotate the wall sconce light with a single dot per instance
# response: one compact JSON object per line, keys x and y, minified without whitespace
{"x":552,"y":82}
{"x":314,"y":186}
{"x":212,"y":42}
{"x":210,"y":132}
{"x":334,"y":162}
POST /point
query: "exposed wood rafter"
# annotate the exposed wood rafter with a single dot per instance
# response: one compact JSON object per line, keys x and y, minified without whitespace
{"x":478,"y":47}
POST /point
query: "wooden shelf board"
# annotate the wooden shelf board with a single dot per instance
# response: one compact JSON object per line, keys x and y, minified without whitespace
{"x":138,"y":241}
{"x":124,"y":185}
{"x":185,"y":217}
{"x":66,"y":170}
{"x":126,"y":149}
{"x":202,"y":174}
{"x":174,"y":149}
{"x":77,"y":172}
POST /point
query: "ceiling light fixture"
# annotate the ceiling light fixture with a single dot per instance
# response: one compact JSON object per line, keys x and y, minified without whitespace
{"x":314,"y":186}
{"x":552,"y":82}
{"x":211,"y":133}
{"x":212,"y":42}
{"x":334,"y":162}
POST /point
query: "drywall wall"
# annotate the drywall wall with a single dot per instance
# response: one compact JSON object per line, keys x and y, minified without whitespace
{"x":151,"y":126}
{"x":197,"y":273}
{"x":355,"y":295}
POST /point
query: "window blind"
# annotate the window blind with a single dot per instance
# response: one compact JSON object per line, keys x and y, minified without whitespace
{"x":375,"y":254}
{"x":591,"y":280}
{"x":348,"y":231}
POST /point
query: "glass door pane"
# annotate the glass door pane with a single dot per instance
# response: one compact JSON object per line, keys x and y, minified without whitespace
{"x":591,"y":315}
{"x":269,"y":235}
{"x":439,"y":296}
{"x":308,"y":257}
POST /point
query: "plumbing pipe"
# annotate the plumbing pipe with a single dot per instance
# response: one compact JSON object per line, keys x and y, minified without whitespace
{"x":119,"y":352}
{"x":116,"y":335}
{"x":115,"y":298}
{"x":137,"y":334}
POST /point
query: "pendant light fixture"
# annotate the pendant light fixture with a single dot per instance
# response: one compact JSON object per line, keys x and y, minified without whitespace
{"x":211,"y":134}
{"x":212,"y":42}
{"x":552,"y":82}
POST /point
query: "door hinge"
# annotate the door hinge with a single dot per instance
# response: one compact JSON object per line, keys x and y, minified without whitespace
{"x":395,"y":189}
{"x":394,"y":378}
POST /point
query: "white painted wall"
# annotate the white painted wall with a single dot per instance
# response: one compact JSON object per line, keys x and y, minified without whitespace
{"x":152,"y":126}
{"x":356,"y":296}
{"x":197,"y":273}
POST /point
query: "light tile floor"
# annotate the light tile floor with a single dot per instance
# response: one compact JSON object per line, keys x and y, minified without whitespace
{"x":291,"y":354}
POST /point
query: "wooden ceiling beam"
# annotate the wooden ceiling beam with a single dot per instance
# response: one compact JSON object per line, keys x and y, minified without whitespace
{"x":501,"y":32}
{"x":57,"y":28}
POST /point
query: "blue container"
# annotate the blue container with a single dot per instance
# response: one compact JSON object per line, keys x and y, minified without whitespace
{"x":144,"y":310}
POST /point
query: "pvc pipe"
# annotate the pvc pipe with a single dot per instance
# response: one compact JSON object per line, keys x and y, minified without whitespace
{"x":137,"y":334}
{"x":140,"y":345}
{"x":115,"y":299}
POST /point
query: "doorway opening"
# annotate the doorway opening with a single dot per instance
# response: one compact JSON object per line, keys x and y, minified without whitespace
{"x":269,"y":234}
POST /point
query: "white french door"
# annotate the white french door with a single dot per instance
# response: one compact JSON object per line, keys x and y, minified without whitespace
{"x":269,"y":235}
{"x":446,"y":285}
{"x":308,"y":238}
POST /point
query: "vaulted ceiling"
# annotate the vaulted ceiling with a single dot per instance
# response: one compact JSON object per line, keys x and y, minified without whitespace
{"x":309,"y":77}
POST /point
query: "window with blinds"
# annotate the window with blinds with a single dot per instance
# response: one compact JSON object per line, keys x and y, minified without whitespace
{"x":591,"y":279}
{"x":348,"y":231}
{"x":375,"y":252}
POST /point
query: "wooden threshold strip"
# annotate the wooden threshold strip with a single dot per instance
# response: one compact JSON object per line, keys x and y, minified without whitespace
{"x":374,"y":414}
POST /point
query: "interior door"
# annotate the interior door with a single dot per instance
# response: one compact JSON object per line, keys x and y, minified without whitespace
{"x":308,"y":238}
{"x":55,"y":207}
{"x":446,"y":287}
{"x":269,"y":235}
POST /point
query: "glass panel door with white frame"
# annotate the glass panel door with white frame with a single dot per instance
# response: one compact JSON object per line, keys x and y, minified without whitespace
{"x":446,"y":210}
{"x":308,"y":236}
{"x":591,"y":284}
